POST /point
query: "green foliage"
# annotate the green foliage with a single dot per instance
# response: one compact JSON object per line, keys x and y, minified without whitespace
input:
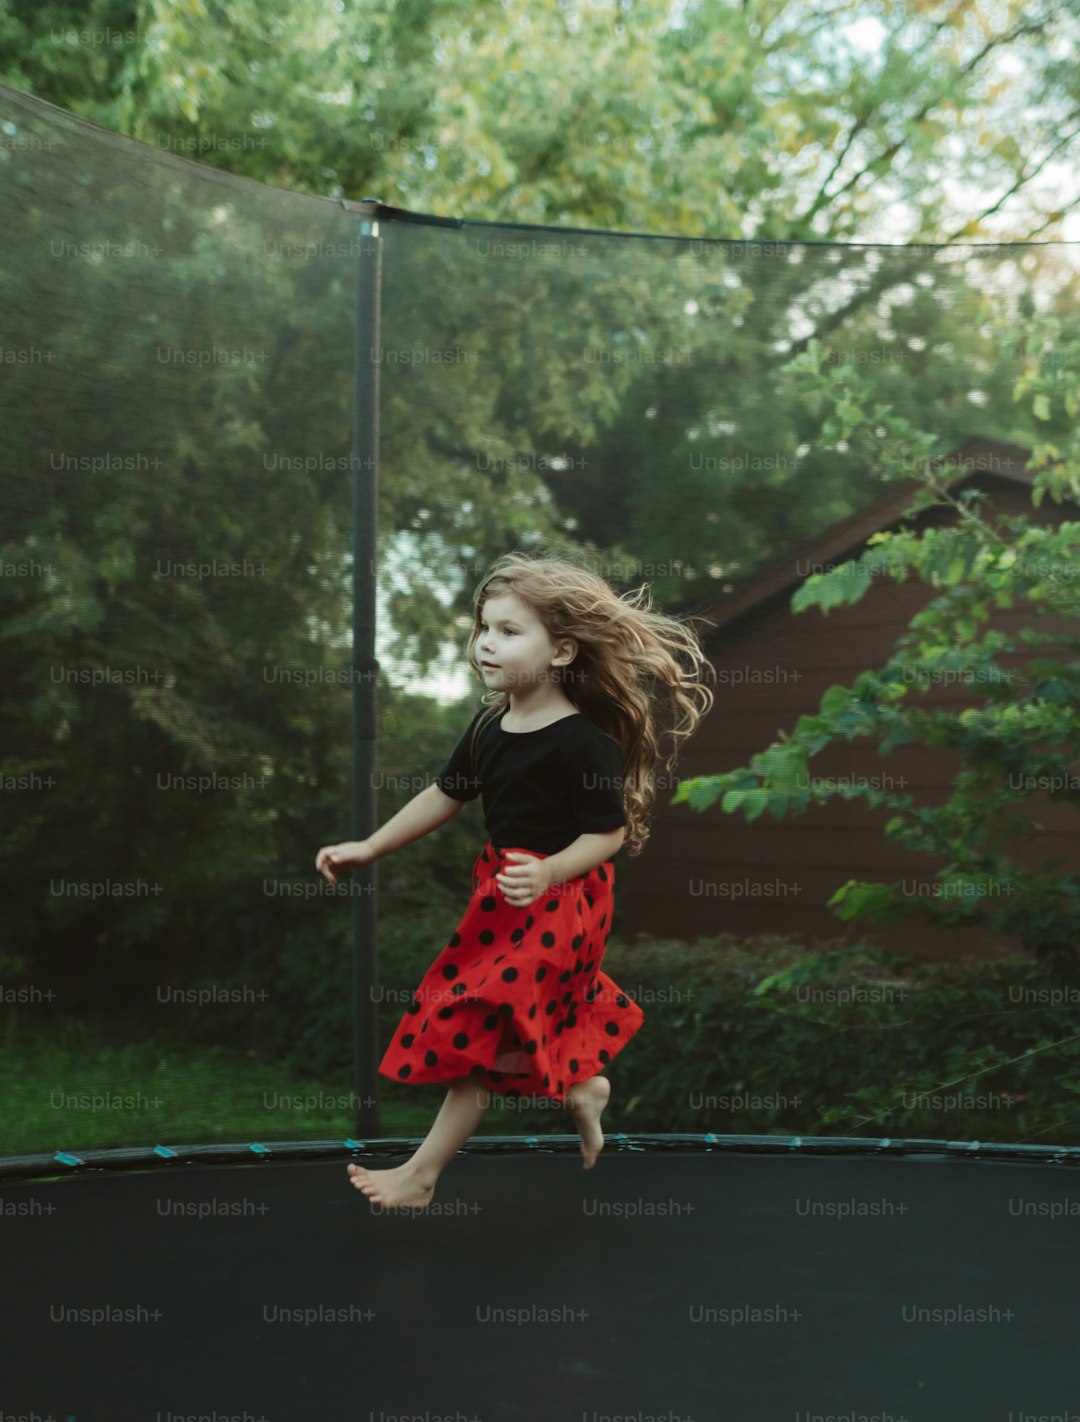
{"x":530,"y":113}
{"x":765,"y":1037}
{"x":736,"y":121}
{"x":759,"y":1037}
{"x":716,"y":120}
{"x":1022,"y":737}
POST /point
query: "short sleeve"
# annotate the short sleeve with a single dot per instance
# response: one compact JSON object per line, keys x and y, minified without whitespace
{"x":457,"y":778}
{"x":595,"y":784}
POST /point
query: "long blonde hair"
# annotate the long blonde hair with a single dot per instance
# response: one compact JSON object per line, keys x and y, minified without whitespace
{"x":626,"y":672}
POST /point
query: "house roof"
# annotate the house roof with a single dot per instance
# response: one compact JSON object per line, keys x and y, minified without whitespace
{"x":1005,"y":462}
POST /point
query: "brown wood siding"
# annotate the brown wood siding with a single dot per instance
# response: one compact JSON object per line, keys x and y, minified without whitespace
{"x":787,"y":870}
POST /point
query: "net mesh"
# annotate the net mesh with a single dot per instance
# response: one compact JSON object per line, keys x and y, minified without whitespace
{"x":176,"y":491}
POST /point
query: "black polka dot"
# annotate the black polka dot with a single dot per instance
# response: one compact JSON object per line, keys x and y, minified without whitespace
{"x":486,"y":937}
{"x":461,"y":1040}
{"x":603,"y":873}
{"x":506,"y":1007}
{"x":430,"y":1058}
{"x":459,"y":988}
{"x":579,"y":938}
{"x":487,"y":903}
{"x":551,"y":905}
{"x":551,"y":1007}
{"x":622,"y":1000}
{"x":530,"y":1047}
{"x":573,"y":1063}
{"x":532,"y":1011}
{"x":611,"y":1028}
{"x":450,"y":971}
{"x":565,"y":977}
{"x":408,"y":1039}
{"x":509,"y":974}
{"x":548,"y":940}
{"x":445,"y":1012}
{"x":455,"y":939}
{"x":405,"y":1070}
{"x":541,"y":974}
{"x":490,"y":1022}
{"x":605,"y":1057}
{"x":414,"y":1007}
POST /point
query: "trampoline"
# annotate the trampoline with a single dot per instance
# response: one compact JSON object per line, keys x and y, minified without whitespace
{"x":210,"y":336}
{"x":747,"y":1277}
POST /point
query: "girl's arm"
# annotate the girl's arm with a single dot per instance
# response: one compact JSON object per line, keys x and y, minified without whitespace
{"x":586,"y":852}
{"x":424,"y":812}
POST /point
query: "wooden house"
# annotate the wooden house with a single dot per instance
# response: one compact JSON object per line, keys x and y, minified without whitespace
{"x":712,"y":872}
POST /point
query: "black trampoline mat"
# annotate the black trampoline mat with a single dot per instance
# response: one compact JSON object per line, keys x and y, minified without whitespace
{"x":814,"y":1269}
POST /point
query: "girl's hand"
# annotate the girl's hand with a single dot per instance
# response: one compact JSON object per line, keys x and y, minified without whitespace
{"x":352,"y":854}
{"x":521,"y":883}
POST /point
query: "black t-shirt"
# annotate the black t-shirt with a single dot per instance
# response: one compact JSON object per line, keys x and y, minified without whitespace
{"x":542,"y":788}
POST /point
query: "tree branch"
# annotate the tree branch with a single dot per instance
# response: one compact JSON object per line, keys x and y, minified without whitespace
{"x":885,"y":158}
{"x":1010,"y":192}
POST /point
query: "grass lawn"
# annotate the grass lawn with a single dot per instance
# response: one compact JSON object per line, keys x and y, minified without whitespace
{"x":153,"y":1093}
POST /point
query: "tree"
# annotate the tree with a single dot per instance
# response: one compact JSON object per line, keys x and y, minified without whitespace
{"x":706,"y":123}
{"x":736,"y":121}
{"x":1025,"y":736}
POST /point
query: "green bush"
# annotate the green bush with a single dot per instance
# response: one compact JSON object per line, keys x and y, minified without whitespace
{"x":762,"y":1037}
{"x":844,"y":1041}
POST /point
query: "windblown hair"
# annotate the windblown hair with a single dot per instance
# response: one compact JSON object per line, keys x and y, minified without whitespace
{"x":637,"y":673}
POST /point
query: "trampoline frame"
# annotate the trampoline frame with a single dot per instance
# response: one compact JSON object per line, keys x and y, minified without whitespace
{"x":94,"y":1162}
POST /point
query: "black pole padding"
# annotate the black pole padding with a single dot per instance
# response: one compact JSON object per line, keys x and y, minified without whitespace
{"x":365,"y":670}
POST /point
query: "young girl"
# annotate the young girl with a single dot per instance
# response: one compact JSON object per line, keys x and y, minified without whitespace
{"x":562,"y":753}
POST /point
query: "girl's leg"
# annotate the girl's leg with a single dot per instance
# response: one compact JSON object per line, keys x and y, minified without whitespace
{"x":585,"y":1101}
{"x":411,"y":1186}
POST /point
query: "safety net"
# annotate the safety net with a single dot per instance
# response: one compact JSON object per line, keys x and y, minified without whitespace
{"x":181,"y":372}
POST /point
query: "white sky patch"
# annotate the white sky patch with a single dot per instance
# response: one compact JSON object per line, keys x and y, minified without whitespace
{"x":866,"y":34}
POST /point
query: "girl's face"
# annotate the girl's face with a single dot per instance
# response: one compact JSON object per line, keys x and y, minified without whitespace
{"x":516,"y":644}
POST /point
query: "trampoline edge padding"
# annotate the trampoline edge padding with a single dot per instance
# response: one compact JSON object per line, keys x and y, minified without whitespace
{"x":76,"y":1162}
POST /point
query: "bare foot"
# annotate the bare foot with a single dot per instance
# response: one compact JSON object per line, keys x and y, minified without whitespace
{"x":586,"y":1101}
{"x":398,"y":1189}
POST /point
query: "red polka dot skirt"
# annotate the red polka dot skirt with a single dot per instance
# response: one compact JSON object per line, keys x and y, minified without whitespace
{"x":517,"y":999}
